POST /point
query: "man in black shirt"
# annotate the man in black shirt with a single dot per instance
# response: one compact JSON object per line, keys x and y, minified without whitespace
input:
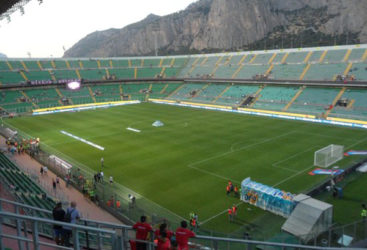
{"x":58,"y":214}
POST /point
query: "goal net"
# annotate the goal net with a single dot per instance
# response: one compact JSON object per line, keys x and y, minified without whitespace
{"x":328,"y":155}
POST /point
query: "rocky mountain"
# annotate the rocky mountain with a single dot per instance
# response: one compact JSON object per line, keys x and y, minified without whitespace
{"x":228,"y":25}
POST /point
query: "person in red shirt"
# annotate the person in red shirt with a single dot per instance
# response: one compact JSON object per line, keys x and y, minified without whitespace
{"x":164,"y":242}
{"x":182,"y":236}
{"x":163,"y":228}
{"x":230,"y":216}
{"x":142,"y":229}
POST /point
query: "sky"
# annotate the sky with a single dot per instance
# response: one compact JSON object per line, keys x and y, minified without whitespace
{"x":46,"y":28}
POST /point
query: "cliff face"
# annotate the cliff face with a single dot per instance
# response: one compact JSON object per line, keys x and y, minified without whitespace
{"x":218,"y":25}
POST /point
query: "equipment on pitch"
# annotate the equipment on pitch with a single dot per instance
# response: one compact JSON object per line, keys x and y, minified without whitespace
{"x":328,"y":155}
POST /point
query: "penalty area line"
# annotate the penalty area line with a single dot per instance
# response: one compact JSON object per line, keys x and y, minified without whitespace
{"x":82,"y":140}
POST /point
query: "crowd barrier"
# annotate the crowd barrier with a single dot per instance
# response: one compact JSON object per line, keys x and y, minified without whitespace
{"x":268,"y":113}
{"x":80,"y":107}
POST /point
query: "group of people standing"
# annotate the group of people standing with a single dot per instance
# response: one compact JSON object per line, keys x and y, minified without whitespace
{"x":71,"y":215}
{"x":164,"y":238}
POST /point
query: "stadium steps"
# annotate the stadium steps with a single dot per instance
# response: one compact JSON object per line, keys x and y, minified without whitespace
{"x":346,"y":71}
{"x":350,"y":104}
{"x":24,"y":66}
{"x":364,"y":56}
{"x":305,"y":71}
{"x":323,"y":56}
{"x":269,"y":69}
{"x":91,"y":94}
{"x":228,"y":60}
{"x":284,"y":58}
{"x":9,"y":65}
{"x":160,"y":62}
{"x":294,"y":98}
{"x":99,"y":64}
{"x":204,"y":61}
{"x":78,"y":74}
{"x":237,"y":71}
{"x":272,"y":58}
{"x":219,"y":60}
{"x":142,"y":63}
{"x":200,"y":90}
{"x":67,"y":64}
{"x":346,"y":57}
{"x":129,"y":63}
{"x":242,"y":59}
{"x":135,"y":72}
{"x":53,"y":64}
{"x":121,"y":92}
{"x":215,"y":69}
{"x":257,"y":95}
{"x":58,"y":92}
{"x":172,"y":62}
{"x":162,"y":71}
{"x":337,"y":97}
{"x":253,"y":58}
{"x":52,"y":75}
{"x":193,"y":65}
{"x":111,"y":63}
{"x":39,"y":65}
{"x":23,"y":75}
{"x":307,"y":57}
{"x":107,"y":73}
{"x":220,"y":95}
{"x":27,"y":98}
{"x":164,"y":89}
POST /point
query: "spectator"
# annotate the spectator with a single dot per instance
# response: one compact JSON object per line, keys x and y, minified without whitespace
{"x":41,"y":170}
{"x":111,"y":180}
{"x":142,"y":229}
{"x":58,"y":214}
{"x":71,"y":216}
{"x":163,"y":228}
{"x":54,"y":185}
{"x":182,"y":236}
{"x":164,"y":242}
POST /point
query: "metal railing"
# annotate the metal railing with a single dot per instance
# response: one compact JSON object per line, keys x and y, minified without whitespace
{"x":118,"y":235}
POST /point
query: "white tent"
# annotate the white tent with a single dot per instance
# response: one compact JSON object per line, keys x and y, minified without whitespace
{"x":310,"y":218}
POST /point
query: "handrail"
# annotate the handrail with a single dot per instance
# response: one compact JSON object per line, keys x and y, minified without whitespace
{"x":265,"y":243}
{"x":60,"y":223}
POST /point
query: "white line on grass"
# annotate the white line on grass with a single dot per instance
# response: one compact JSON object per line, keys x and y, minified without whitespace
{"x":82,"y":140}
{"x":241,"y":148}
{"x":219,"y":214}
{"x":133,"y":129}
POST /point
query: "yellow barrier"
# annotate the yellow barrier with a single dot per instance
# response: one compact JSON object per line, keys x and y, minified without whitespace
{"x":347,"y":120}
{"x":277,"y":113}
{"x":78,"y":106}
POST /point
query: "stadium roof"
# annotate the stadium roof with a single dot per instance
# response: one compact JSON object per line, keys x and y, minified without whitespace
{"x":8,"y":7}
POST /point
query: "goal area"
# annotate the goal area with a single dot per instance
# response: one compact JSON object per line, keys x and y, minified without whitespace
{"x":328,"y":155}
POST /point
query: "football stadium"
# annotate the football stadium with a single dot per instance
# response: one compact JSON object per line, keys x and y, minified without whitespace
{"x":255,"y":149}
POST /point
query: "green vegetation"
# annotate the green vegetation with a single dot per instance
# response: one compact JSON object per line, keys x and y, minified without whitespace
{"x":184,"y":166}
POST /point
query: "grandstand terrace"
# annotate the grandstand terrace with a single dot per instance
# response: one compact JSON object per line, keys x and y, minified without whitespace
{"x":320,"y":85}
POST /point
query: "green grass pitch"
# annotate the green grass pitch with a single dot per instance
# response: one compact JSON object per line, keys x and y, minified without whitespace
{"x":184,"y":166}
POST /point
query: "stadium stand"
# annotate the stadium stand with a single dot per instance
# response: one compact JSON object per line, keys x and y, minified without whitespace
{"x":296,"y":57}
{"x":209,"y":92}
{"x":275,"y":97}
{"x":11,"y":77}
{"x":236,"y":93}
{"x":105,"y":93}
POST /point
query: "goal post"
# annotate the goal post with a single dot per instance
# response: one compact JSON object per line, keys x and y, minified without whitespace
{"x":328,"y":155}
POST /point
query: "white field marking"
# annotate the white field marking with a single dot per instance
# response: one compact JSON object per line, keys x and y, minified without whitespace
{"x":219,"y":214}
{"x":82,"y":140}
{"x":312,"y":166}
{"x":191,"y":165}
{"x":87,"y":138}
{"x":133,"y":129}
{"x":293,"y":156}
{"x":87,"y":169}
{"x":241,"y":148}
{"x":211,"y":173}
